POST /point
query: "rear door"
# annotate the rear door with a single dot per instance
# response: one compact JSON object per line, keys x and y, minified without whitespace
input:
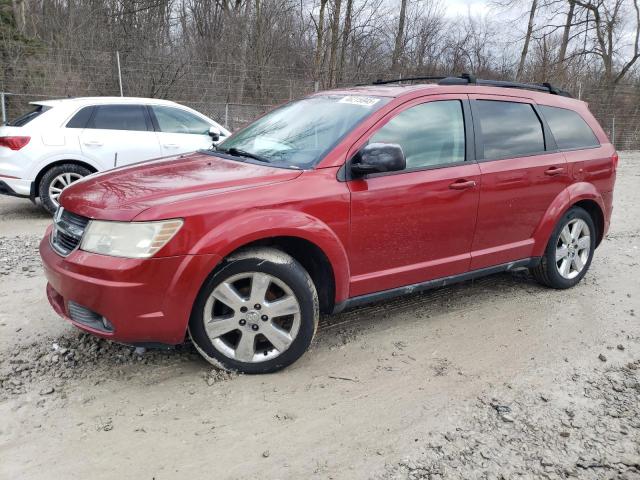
{"x":417,"y":224}
{"x":119,"y":135}
{"x":180,"y":131}
{"x":522,"y":173}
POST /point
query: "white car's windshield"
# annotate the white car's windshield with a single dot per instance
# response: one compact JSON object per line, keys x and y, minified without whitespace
{"x":301,"y":133}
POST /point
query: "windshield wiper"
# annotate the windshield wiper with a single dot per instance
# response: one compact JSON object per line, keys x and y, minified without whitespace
{"x":236,"y":152}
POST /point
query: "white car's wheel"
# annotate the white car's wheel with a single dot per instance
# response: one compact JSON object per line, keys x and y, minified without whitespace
{"x":55,"y":180}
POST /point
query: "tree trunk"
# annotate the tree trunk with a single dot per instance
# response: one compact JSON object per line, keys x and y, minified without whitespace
{"x":527,"y":39}
{"x":319,"y":41}
{"x":399,"y":43}
{"x":346,"y":31}
{"x":19,"y":15}
{"x":565,"y":34}
{"x":335,"y":40}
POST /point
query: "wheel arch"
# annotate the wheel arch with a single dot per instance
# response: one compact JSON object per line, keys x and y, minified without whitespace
{"x":49,"y":166}
{"x":310,"y":256}
{"x":580,"y":194}
{"x":307,"y":239}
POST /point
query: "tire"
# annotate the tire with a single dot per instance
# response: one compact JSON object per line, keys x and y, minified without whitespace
{"x":560,"y":271}
{"x":236,"y":315}
{"x":55,"y":179}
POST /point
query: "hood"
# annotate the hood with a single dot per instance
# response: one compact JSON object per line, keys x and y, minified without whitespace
{"x":123,"y":193}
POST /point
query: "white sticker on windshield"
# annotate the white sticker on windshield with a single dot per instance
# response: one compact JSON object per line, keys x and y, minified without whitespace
{"x":359,"y":100}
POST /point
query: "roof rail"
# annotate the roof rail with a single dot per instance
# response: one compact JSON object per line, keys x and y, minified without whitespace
{"x":468,"y":79}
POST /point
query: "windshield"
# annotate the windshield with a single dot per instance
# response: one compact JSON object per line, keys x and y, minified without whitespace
{"x":301,"y":133}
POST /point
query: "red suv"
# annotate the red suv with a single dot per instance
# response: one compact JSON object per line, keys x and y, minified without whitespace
{"x":339,"y":199}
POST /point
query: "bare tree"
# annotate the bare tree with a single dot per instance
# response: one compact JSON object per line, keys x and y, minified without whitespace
{"x":399,"y":37}
{"x":527,"y":39}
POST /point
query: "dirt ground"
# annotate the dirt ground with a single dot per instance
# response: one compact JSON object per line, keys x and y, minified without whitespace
{"x":497,"y":378}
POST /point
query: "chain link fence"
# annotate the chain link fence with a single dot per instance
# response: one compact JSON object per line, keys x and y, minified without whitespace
{"x":232,"y":94}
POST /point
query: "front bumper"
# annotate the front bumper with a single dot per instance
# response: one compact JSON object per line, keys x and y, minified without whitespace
{"x":145,"y":301}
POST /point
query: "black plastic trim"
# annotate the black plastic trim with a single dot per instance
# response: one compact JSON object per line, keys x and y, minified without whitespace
{"x":436,"y":283}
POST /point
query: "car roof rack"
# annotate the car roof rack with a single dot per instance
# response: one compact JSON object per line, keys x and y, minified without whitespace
{"x":468,"y":79}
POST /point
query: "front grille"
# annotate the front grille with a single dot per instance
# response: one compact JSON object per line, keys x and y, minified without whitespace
{"x":81,"y":314}
{"x":67,"y":232}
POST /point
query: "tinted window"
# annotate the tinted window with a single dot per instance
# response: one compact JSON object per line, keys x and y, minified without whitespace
{"x":429,"y":134}
{"x":81,"y":118}
{"x":173,"y":120}
{"x":509,"y":129}
{"x":568,"y":128}
{"x":27,"y":117}
{"x":120,"y":117}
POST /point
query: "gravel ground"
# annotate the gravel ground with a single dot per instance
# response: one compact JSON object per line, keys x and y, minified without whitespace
{"x":497,"y":378}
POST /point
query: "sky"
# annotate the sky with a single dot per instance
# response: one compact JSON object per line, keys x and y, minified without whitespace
{"x":462,"y":7}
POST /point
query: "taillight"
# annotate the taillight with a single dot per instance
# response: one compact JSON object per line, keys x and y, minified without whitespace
{"x":14,"y":143}
{"x":614,"y":161}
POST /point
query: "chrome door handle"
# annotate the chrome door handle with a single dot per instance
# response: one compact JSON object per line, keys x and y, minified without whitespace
{"x":170,"y":145}
{"x":462,"y":184}
{"x":93,"y":143}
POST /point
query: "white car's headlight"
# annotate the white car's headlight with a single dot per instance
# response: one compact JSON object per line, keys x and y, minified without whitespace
{"x":128,"y":239}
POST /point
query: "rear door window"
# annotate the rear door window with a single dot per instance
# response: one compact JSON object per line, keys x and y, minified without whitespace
{"x":568,"y":128}
{"x":509,"y":129}
{"x":174,"y":120}
{"x":121,"y":117}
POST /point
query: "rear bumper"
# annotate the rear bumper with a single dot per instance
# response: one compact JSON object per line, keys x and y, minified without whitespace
{"x":15,"y":187}
{"x":144,"y":301}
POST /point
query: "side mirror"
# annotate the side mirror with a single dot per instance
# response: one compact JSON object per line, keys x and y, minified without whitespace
{"x":379,"y":157}
{"x":214,"y":133}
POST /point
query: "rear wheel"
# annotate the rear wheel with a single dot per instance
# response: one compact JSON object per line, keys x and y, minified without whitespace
{"x":57,"y":179}
{"x":569,"y":252}
{"x":257,"y":314}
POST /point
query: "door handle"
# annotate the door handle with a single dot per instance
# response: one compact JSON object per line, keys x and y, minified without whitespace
{"x":93,"y":143}
{"x":554,"y":171}
{"x":170,"y":145}
{"x":462,"y":184}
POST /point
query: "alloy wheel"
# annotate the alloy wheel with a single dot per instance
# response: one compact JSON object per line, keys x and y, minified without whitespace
{"x":61,"y":182}
{"x":573,"y":248}
{"x":252,"y":317}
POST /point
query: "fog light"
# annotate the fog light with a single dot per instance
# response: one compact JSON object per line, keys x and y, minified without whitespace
{"x":107,"y":324}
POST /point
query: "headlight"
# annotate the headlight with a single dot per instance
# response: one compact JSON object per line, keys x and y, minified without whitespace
{"x":128,"y":239}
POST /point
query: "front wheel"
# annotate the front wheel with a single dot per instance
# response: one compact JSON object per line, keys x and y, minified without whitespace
{"x":569,"y":252}
{"x":57,"y":179}
{"x":256,"y":314}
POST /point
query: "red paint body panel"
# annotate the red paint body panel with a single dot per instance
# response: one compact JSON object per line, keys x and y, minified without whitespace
{"x":145,"y":300}
{"x":377,"y":233}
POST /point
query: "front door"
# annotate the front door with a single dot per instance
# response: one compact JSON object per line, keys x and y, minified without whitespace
{"x":416,"y":225}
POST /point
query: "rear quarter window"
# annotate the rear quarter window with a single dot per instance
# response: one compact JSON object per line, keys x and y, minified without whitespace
{"x":81,"y":118}
{"x":569,"y":128}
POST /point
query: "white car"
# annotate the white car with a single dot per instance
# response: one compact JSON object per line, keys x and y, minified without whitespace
{"x":61,"y":141}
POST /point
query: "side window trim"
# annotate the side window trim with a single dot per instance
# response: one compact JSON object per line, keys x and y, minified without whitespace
{"x":344,"y":174}
{"x":547,"y":138}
